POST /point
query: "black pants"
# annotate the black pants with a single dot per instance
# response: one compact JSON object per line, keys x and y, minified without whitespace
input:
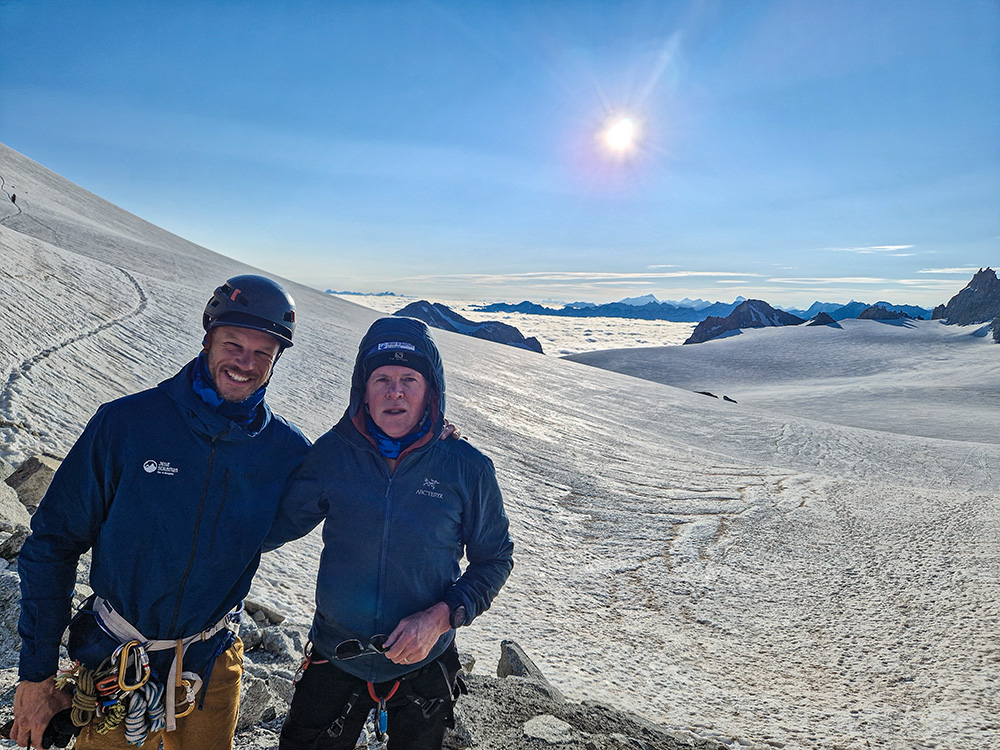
{"x":324,"y":691}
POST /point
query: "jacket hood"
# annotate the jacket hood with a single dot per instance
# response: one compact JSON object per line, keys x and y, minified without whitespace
{"x":410,"y":331}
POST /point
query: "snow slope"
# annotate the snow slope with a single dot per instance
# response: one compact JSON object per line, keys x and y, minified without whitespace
{"x":911,"y":377}
{"x":696,"y":561}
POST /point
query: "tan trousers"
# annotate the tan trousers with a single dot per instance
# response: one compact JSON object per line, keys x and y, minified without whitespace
{"x":211,"y":728}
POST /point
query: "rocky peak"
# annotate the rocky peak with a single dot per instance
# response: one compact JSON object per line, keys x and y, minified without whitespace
{"x":441,"y":316}
{"x":979,"y":302}
{"x":751,"y":313}
{"x":877,"y":312}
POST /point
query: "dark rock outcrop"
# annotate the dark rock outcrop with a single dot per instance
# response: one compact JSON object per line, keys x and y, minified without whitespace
{"x":441,"y":316}
{"x":979,"y":302}
{"x":753,"y":313}
{"x":31,"y":479}
{"x":824,"y":319}
{"x":995,"y":328}
{"x":877,"y":312}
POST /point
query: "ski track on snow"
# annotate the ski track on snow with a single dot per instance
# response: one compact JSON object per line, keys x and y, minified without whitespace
{"x":21,"y":371}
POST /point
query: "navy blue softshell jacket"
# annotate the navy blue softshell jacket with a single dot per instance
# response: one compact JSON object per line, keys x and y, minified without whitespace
{"x":175,"y":501}
{"x":393,"y":542}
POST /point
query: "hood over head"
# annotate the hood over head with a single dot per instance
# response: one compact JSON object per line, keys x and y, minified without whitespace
{"x":398,"y":340}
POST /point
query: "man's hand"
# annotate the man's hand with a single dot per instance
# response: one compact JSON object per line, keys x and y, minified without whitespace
{"x":35,"y":703}
{"x":450,"y":431}
{"x":416,"y":635}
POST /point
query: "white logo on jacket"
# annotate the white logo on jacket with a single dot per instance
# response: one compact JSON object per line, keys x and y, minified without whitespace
{"x":159,"y":467}
{"x":432,"y":483}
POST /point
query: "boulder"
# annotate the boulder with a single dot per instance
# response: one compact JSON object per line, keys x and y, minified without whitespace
{"x":515,"y":663}
{"x":12,"y":509}
{"x":10,"y":547}
{"x":10,"y":611}
{"x":5,"y":469}
{"x":32,"y":478}
{"x":263,"y":614}
{"x":257,"y":704}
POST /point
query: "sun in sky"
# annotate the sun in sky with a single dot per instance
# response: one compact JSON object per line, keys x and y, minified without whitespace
{"x":620,"y":135}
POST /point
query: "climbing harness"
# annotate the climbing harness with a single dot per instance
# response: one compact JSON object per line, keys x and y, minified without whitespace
{"x":121,"y":691}
{"x":177,"y":679}
{"x":306,"y":661}
{"x":382,"y":721}
{"x":353,"y":648}
{"x":101,"y":696}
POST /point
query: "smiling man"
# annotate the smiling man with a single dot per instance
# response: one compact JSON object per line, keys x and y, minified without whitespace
{"x":174,"y":490}
{"x":401,"y":508}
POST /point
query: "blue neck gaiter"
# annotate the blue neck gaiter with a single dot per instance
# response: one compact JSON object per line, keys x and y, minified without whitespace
{"x":243,"y":413}
{"x":390,"y":447}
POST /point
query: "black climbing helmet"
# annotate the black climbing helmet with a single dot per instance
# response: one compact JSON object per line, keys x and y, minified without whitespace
{"x":251,"y":301}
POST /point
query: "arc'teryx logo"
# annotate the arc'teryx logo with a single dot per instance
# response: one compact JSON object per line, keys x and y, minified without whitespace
{"x":429,"y":486}
{"x":159,"y":467}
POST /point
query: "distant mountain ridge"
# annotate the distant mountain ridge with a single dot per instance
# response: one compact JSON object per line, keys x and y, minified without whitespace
{"x":649,"y":311}
{"x":688,"y":311}
{"x":443,"y":317}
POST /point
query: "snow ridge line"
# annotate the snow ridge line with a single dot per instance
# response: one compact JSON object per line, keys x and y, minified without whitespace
{"x":19,"y":372}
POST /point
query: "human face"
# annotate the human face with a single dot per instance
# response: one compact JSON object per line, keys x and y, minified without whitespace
{"x":396,"y":398}
{"x":240,"y":360}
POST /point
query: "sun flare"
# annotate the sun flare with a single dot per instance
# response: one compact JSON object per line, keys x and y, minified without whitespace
{"x":621,"y":135}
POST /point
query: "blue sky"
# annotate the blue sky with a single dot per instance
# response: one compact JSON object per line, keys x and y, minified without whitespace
{"x":787,"y":150}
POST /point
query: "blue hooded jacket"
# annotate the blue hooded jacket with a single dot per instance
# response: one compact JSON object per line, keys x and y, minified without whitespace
{"x":173,"y":499}
{"x":393,"y":541}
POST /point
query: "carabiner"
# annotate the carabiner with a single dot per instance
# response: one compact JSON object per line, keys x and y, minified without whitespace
{"x":126,"y":652}
{"x":189,"y":699}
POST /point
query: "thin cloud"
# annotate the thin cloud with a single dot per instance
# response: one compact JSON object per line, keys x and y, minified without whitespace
{"x":872,"y":249}
{"x":949,"y":270}
{"x":577,"y":276}
{"x":833,"y":280}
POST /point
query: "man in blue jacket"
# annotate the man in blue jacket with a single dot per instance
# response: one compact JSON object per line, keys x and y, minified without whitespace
{"x":174,"y":490}
{"x":400,"y":510}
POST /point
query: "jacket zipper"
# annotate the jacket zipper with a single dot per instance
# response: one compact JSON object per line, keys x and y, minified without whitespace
{"x":218,"y":513}
{"x":194,"y":541}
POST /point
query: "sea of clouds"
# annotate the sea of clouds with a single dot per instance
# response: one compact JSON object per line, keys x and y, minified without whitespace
{"x":558,"y":336}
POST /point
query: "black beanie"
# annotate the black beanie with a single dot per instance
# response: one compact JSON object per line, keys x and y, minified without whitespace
{"x":399,"y":353}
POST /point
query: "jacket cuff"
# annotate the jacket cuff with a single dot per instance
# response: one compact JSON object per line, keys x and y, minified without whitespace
{"x":453,"y":599}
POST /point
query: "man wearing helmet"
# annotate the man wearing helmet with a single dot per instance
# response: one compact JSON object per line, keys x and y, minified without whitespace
{"x":173,"y":489}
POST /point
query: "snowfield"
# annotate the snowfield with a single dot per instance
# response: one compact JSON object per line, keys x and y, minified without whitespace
{"x":817,"y":566}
